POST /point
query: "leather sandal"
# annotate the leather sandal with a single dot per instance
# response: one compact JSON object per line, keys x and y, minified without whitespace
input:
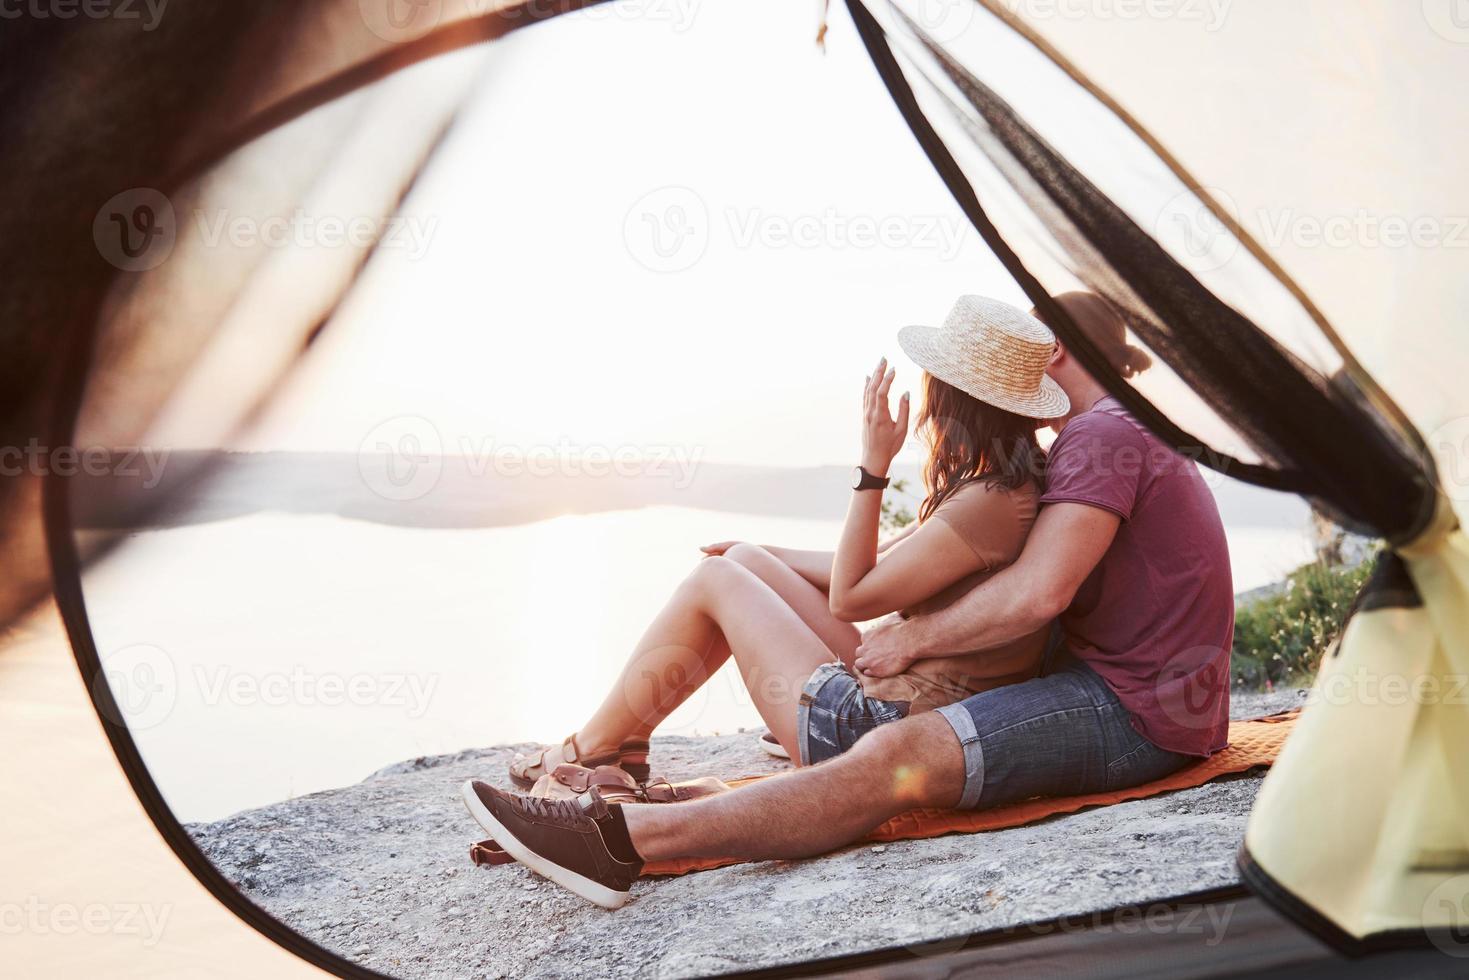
{"x":569,"y":780}
{"x":631,"y":757}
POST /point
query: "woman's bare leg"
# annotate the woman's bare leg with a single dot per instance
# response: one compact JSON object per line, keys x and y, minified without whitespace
{"x":809,"y":602}
{"x":721,"y":608}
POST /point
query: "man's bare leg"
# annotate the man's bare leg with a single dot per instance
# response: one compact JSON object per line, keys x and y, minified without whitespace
{"x":916,"y":762}
{"x":597,"y":850}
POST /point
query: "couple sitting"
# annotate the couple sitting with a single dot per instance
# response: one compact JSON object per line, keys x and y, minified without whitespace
{"x":1063,"y":626}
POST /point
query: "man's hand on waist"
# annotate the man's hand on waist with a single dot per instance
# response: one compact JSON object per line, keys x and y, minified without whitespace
{"x":887,"y":648}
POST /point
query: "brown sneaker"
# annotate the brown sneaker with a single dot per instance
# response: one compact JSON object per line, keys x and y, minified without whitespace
{"x":565,"y":841}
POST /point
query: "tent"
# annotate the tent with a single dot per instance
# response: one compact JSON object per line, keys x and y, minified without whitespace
{"x":1267,"y":189}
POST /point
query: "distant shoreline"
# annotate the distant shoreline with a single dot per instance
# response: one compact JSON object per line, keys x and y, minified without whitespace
{"x":201,"y":486}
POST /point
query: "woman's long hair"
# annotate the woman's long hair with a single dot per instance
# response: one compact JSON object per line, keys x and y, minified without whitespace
{"x":969,"y":440}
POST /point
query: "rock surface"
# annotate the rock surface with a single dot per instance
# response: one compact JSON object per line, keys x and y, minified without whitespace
{"x":379,"y":872}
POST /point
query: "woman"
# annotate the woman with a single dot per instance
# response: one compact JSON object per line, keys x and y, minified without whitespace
{"x":787,"y":616}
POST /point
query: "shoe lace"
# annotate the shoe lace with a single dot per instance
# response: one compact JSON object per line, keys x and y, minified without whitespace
{"x":565,"y":812}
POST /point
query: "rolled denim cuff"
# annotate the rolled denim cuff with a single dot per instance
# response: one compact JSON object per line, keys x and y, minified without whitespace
{"x":962,"y":722}
{"x":818,"y":679}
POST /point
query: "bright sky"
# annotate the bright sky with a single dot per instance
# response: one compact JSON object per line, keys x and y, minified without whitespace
{"x":709,"y":248}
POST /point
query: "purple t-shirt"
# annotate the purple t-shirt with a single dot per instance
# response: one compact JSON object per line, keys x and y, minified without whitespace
{"x":1156,"y":616}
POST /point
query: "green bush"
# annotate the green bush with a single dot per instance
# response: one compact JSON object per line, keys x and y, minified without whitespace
{"x":1280,"y":639}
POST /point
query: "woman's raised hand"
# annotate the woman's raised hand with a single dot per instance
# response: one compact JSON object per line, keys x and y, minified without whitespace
{"x":882,"y":435}
{"x":718,"y":548}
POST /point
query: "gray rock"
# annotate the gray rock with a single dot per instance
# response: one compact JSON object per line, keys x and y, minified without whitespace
{"x":380,"y":872}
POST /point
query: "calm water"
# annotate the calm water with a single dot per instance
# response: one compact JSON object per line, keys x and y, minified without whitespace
{"x":271,"y":656}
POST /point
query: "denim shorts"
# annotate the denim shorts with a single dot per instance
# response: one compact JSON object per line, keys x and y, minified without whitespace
{"x":1061,"y":734}
{"x":833,"y":713}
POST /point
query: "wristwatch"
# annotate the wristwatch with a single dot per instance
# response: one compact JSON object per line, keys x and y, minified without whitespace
{"x":863,"y":480}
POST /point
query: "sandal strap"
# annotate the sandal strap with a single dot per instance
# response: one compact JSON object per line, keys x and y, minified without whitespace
{"x":487,"y":852}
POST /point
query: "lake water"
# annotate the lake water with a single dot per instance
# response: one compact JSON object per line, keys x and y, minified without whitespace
{"x":273,"y":655}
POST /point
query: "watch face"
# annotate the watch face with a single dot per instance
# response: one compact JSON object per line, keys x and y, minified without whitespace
{"x":856,"y":478}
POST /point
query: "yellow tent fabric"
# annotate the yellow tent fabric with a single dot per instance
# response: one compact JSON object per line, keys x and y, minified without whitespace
{"x":1365,"y":820}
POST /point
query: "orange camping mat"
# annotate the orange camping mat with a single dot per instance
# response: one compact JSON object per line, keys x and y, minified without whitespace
{"x":1252,"y":745}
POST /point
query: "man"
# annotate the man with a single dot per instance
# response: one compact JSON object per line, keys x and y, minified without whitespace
{"x":1128,"y":555}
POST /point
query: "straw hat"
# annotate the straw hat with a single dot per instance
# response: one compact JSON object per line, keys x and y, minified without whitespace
{"x":994,"y":352}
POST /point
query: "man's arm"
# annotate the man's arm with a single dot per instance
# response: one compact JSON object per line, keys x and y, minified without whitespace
{"x":1065,"y":545}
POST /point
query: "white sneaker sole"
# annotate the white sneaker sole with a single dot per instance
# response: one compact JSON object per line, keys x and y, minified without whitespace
{"x":592,"y":891}
{"x":773,"y":748}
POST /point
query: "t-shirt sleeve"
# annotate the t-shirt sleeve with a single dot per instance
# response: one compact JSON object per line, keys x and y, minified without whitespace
{"x":1097,"y":460}
{"x":989,"y":520}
